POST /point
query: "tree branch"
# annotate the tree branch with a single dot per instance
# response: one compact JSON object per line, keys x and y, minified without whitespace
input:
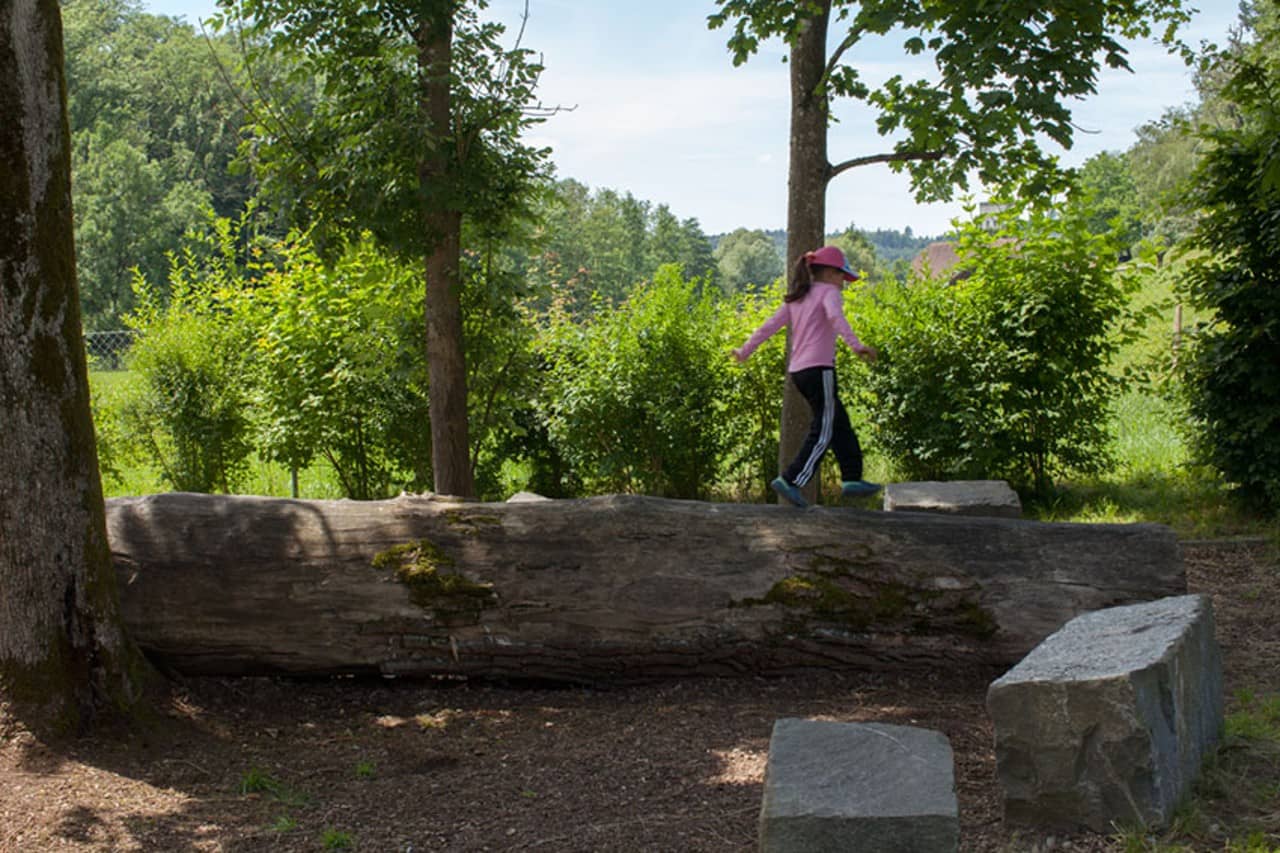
{"x":895,"y":157}
{"x":852,"y":38}
{"x":268,"y":114}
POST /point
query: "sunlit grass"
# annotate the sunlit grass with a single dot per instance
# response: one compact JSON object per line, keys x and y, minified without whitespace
{"x":108,"y":381}
{"x":1154,"y":479}
{"x":1193,"y":503}
{"x":1147,"y":437}
{"x":268,"y":479}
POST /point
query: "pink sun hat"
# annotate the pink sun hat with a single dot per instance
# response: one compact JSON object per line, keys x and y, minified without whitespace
{"x":831,"y":256}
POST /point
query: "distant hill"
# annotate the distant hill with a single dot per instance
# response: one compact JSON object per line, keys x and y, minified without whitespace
{"x":891,"y":245}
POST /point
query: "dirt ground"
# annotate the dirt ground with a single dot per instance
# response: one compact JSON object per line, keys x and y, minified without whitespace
{"x":263,"y":764}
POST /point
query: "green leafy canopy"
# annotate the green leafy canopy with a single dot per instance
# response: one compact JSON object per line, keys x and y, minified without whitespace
{"x":1004,"y":75}
{"x":350,"y":146}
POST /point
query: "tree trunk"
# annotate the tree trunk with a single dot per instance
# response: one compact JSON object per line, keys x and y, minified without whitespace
{"x":63,"y":653}
{"x":611,"y":588}
{"x":446,"y":362}
{"x":806,"y":196}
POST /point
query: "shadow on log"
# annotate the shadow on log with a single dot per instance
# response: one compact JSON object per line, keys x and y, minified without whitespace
{"x":604,"y":589}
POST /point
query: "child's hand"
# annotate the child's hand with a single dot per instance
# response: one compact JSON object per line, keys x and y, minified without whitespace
{"x":868,"y":354}
{"x":739,"y":355}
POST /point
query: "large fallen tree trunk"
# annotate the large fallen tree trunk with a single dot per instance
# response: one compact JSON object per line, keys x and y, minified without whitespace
{"x":604,"y":588}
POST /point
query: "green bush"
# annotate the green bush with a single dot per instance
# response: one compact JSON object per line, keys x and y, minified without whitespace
{"x":752,"y":411}
{"x":510,"y":449}
{"x":634,"y":395}
{"x":923,"y":401}
{"x":106,"y":391}
{"x":1232,"y":369}
{"x":1004,"y":372}
{"x":338,"y":367}
{"x":187,"y":412}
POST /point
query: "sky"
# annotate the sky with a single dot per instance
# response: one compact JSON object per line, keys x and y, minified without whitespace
{"x":652,"y":105}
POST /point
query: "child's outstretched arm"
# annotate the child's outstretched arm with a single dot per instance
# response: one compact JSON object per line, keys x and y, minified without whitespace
{"x":762,"y":334}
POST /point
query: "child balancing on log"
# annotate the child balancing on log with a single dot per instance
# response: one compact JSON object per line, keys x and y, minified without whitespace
{"x":813,"y":311}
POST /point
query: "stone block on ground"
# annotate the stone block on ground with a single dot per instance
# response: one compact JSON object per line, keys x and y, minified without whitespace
{"x":1108,"y":720}
{"x":958,"y":497}
{"x":864,"y":787}
{"x":526,"y":497}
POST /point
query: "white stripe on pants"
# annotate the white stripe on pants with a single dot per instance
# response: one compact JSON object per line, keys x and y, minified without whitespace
{"x":824,"y":437}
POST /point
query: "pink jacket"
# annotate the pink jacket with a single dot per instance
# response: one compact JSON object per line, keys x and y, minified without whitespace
{"x":815,"y":321}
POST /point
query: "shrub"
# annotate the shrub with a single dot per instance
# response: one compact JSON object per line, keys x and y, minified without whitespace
{"x":503,"y":376}
{"x":338,"y":367}
{"x":1232,"y":372}
{"x":924,"y":404}
{"x":634,"y":395}
{"x":186,"y":414}
{"x":752,"y":411}
{"x":1003,"y":373}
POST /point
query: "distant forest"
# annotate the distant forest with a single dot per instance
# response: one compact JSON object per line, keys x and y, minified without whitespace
{"x":891,"y":245}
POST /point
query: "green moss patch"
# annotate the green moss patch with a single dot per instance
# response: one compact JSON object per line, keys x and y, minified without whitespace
{"x":433,"y":584}
{"x":470,"y":519}
{"x":833,"y":591}
{"x":829,"y":600}
{"x":979,"y":622}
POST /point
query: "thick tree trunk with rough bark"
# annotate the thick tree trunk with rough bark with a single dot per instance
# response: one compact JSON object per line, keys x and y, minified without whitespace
{"x":63,"y":654}
{"x":808,"y":175}
{"x":611,"y":588}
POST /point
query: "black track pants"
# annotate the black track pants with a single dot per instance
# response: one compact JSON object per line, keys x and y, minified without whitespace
{"x":830,"y":428}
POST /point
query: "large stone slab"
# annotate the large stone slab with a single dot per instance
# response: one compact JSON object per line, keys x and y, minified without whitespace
{"x":958,"y":497}
{"x":864,"y":787}
{"x":1108,"y":720}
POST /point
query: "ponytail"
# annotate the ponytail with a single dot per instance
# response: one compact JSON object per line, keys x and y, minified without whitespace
{"x":801,"y":279}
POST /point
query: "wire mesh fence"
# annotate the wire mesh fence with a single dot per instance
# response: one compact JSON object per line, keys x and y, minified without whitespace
{"x":106,"y":350}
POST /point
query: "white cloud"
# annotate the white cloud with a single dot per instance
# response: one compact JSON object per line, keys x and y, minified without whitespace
{"x":658,"y":105}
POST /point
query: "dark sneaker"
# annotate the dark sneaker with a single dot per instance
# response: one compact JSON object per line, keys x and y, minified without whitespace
{"x":788,"y":492}
{"x":858,"y":488}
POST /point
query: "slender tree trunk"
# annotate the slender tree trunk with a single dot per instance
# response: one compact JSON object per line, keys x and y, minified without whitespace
{"x":806,"y":194}
{"x":63,"y":652}
{"x":446,"y":363}
{"x":447,"y":371}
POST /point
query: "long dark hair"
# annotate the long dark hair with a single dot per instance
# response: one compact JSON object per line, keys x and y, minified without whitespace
{"x":801,"y":280}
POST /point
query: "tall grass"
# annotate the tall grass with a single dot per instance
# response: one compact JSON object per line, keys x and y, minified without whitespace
{"x":1155,"y":477}
{"x":1147,"y":439}
{"x":1233,"y":805}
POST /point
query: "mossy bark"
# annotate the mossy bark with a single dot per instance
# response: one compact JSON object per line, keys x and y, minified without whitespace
{"x":63,"y":653}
